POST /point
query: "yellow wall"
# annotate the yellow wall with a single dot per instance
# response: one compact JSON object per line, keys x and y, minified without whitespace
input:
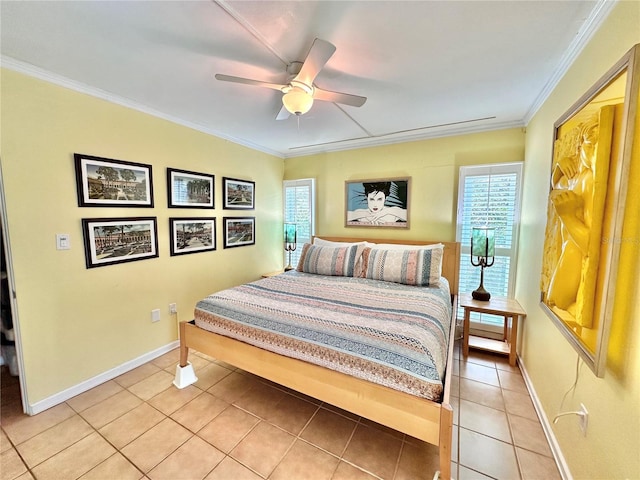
{"x":77,"y":323}
{"x":610,"y":448}
{"x":433,"y":166}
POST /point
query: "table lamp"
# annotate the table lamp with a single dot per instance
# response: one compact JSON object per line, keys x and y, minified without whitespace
{"x":290,"y":238}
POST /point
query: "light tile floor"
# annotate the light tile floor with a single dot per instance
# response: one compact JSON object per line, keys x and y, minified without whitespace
{"x":231,"y":425}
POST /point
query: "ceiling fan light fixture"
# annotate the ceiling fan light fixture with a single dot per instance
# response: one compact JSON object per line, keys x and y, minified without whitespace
{"x":297,"y":101}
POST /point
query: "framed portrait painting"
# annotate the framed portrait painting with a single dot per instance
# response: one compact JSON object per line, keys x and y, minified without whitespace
{"x":192,"y":235}
{"x":105,"y":182}
{"x":239,"y":231}
{"x":189,"y":189}
{"x":377,"y":203}
{"x":238,"y":194}
{"x":108,"y":241}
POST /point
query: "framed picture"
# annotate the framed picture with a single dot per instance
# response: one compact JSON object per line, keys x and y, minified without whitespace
{"x":377,"y":203}
{"x":238,"y":194}
{"x":104,"y":182}
{"x":585,"y":211}
{"x":118,"y":240}
{"x":189,"y":189}
{"x":239,"y":231}
{"x":192,"y":235}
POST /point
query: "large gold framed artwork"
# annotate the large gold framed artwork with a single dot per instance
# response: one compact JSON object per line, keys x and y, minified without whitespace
{"x":588,"y":187}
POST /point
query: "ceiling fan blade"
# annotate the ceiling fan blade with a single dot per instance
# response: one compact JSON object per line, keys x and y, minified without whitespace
{"x":337,"y":97}
{"x":248,"y":81}
{"x":283,"y":114}
{"x":320,"y":53}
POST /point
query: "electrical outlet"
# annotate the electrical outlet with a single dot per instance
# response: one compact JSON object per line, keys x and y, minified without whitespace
{"x":173,"y":308}
{"x":584,"y":419}
{"x":155,"y":315}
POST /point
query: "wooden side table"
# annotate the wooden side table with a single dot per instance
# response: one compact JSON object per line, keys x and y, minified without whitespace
{"x":508,"y":308}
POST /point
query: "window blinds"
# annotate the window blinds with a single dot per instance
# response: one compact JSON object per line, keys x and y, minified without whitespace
{"x":299,"y":209}
{"x":489,"y":195}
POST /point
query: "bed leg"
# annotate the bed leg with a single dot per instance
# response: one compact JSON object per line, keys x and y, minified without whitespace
{"x":446,"y":436}
{"x":185,"y":375}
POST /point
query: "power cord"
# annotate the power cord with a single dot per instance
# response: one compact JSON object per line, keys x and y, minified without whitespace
{"x":572,"y":388}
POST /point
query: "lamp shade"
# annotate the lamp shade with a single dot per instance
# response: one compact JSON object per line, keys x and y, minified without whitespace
{"x":290,"y":234}
{"x":297,"y":101}
{"x":483,"y":242}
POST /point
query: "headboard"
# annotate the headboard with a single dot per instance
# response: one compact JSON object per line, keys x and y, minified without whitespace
{"x":450,"y":259}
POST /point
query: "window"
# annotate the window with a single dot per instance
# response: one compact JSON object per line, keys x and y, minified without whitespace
{"x":489,"y":195}
{"x":299,"y":208}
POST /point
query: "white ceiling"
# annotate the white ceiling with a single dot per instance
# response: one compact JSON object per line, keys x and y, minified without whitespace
{"x":427,"y":68}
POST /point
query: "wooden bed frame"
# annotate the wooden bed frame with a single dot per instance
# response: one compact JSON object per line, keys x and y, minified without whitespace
{"x":426,"y":420}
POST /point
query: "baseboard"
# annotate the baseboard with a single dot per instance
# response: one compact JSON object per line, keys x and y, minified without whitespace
{"x":546,"y":426}
{"x":71,"y":392}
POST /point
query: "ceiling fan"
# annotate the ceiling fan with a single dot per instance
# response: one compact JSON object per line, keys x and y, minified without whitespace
{"x":300,"y":92}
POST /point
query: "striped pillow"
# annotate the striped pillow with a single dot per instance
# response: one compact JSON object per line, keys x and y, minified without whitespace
{"x":410,"y":267}
{"x":336,"y":261}
{"x":320,"y":242}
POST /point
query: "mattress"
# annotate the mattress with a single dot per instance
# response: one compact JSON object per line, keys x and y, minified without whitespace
{"x":387,"y":333}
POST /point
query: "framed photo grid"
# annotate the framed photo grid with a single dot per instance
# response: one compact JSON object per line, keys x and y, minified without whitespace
{"x":109,"y":182}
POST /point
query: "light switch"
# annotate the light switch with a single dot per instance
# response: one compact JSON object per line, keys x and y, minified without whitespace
{"x":63,"y":241}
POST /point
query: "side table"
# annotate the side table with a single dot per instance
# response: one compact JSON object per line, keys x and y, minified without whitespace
{"x":508,"y":308}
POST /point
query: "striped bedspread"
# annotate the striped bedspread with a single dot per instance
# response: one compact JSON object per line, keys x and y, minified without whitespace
{"x":387,"y":333}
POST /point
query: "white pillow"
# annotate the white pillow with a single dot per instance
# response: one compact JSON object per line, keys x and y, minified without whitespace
{"x":328,"y":243}
{"x":399,"y":246}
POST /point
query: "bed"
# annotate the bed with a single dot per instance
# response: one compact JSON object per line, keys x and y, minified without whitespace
{"x":335,"y":355}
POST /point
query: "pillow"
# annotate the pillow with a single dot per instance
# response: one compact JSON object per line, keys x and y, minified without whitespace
{"x":329,"y":243}
{"x":357,"y":271}
{"x":336,"y":261}
{"x":398,"y":246}
{"x":421,"y":267}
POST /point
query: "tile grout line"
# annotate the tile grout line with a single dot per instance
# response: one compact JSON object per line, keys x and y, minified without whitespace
{"x":119,"y":450}
{"x":321,"y":405}
{"x":500,"y":386}
{"x":513,"y":441}
{"x":15,"y":448}
{"x":340,"y":457}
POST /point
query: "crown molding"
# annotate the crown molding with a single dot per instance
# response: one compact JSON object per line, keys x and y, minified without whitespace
{"x":41,"y":74}
{"x":389,"y":139}
{"x":598,"y":15}
{"x":426,"y":133}
{"x":591,"y":25}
